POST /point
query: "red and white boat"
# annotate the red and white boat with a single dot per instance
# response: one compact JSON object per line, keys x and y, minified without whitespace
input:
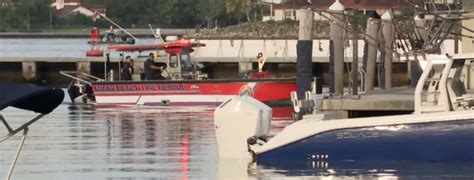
{"x":187,"y":85}
{"x":192,"y":92}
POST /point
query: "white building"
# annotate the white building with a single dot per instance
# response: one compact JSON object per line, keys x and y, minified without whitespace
{"x":5,"y":3}
{"x":289,"y":9}
{"x":70,"y":7}
{"x":60,"y":4}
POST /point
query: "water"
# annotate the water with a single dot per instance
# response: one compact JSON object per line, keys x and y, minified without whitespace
{"x":130,"y":142}
{"x":48,"y":47}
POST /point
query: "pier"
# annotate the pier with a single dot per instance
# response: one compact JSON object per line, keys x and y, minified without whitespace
{"x":221,"y":58}
{"x":46,"y":69}
{"x":376,"y":92}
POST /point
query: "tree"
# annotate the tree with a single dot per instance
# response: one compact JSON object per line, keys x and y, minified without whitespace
{"x":211,"y":12}
{"x":136,"y":13}
{"x":26,"y":14}
{"x":238,"y":7}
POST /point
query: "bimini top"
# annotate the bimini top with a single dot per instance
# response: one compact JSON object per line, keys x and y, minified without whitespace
{"x":33,"y":98}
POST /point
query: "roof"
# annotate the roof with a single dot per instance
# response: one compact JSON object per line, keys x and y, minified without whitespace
{"x":4,"y":3}
{"x":33,"y":98}
{"x":95,"y":7}
{"x":348,"y":4}
{"x":67,"y":9}
{"x":68,"y":1}
{"x":64,"y":11}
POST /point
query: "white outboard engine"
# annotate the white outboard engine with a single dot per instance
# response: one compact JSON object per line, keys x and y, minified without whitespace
{"x":240,"y":121}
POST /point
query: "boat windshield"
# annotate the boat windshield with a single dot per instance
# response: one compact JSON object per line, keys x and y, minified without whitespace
{"x":173,"y":61}
{"x":186,"y":62}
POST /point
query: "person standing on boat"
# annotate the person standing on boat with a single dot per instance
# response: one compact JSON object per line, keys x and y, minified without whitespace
{"x":260,"y":73}
{"x":152,"y":71}
{"x":127,"y":70}
{"x":261,"y":61}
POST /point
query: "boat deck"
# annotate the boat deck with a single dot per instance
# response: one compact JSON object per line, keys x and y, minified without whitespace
{"x":396,"y":99}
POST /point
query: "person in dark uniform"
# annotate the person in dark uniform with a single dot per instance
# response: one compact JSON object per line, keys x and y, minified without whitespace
{"x":152,"y":71}
{"x":126,"y":71}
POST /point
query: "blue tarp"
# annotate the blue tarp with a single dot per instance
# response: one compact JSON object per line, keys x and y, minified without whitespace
{"x":29,"y":97}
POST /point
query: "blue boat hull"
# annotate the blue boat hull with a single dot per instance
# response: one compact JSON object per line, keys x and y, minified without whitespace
{"x":449,"y":141}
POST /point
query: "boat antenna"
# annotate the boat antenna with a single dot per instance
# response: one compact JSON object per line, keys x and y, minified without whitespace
{"x":157,"y":34}
{"x":151,"y":29}
{"x":115,"y":24}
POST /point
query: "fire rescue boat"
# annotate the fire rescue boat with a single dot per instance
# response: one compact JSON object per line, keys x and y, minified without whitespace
{"x":185,"y":86}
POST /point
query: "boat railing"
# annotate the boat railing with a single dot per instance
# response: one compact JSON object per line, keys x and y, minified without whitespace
{"x":81,"y":76}
{"x":440,"y":88}
{"x":362,"y":80}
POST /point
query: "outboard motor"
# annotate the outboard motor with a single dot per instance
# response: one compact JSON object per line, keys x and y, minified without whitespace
{"x":239,"y":122}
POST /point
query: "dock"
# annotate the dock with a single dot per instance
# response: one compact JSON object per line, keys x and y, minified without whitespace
{"x":46,"y":69}
{"x":396,"y":99}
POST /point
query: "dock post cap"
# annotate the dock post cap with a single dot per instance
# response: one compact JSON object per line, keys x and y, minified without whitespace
{"x":336,"y":6}
{"x":417,"y":17}
{"x":388,"y":16}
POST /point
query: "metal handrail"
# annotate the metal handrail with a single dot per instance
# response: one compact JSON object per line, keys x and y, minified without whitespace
{"x":362,"y":80}
{"x":85,"y":74}
{"x":68,"y":74}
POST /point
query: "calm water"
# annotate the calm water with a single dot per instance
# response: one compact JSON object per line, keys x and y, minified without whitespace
{"x":86,"y":142}
{"x":47,"y":47}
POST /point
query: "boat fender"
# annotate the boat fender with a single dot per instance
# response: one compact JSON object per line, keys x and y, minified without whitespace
{"x":256,"y":140}
{"x":165,"y":101}
{"x":245,"y":90}
{"x":84,"y":99}
{"x":244,"y":74}
{"x":251,"y":141}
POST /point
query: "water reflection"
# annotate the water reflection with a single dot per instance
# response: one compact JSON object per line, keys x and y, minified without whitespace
{"x":87,"y":142}
{"x":375,"y":170}
{"x":97,"y":142}
{"x":241,"y":169}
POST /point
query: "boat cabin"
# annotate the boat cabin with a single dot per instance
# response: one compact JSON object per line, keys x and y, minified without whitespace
{"x":180,"y":65}
{"x":178,"y":61}
{"x":446,"y":84}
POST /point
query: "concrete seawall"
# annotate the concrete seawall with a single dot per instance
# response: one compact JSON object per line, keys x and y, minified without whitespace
{"x":47,"y":71}
{"x":221,"y":58}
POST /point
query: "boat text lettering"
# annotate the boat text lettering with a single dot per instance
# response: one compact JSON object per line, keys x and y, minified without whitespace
{"x":104,"y":88}
{"x":357,"y":135}
{"x":168,"y":87}
{"x":138,"y":87}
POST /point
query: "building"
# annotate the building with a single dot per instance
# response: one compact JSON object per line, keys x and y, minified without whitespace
{"x":289,"y":8}
{"x":6,"y":3}
{"x":65,"y":8}
{"x":272,"y":1}
{"x":60,"y":4}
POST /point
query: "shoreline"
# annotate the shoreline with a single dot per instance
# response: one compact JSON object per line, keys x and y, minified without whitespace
{"x":139,"y":33}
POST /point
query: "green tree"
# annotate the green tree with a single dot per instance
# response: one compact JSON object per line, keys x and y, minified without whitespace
{"x":211,"y":12}
{"x":25,"y":14}
{"x":239,"y":8}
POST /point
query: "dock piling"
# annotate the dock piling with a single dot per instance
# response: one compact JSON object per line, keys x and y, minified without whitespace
{"x":337,"y":48}
{"x":355,"y":55}
{"x":304,"y":51}
{"x":387,"y":32}
{"x":29,"y":70}
{"x":373,"y":25}
{"x":83,"y":67}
